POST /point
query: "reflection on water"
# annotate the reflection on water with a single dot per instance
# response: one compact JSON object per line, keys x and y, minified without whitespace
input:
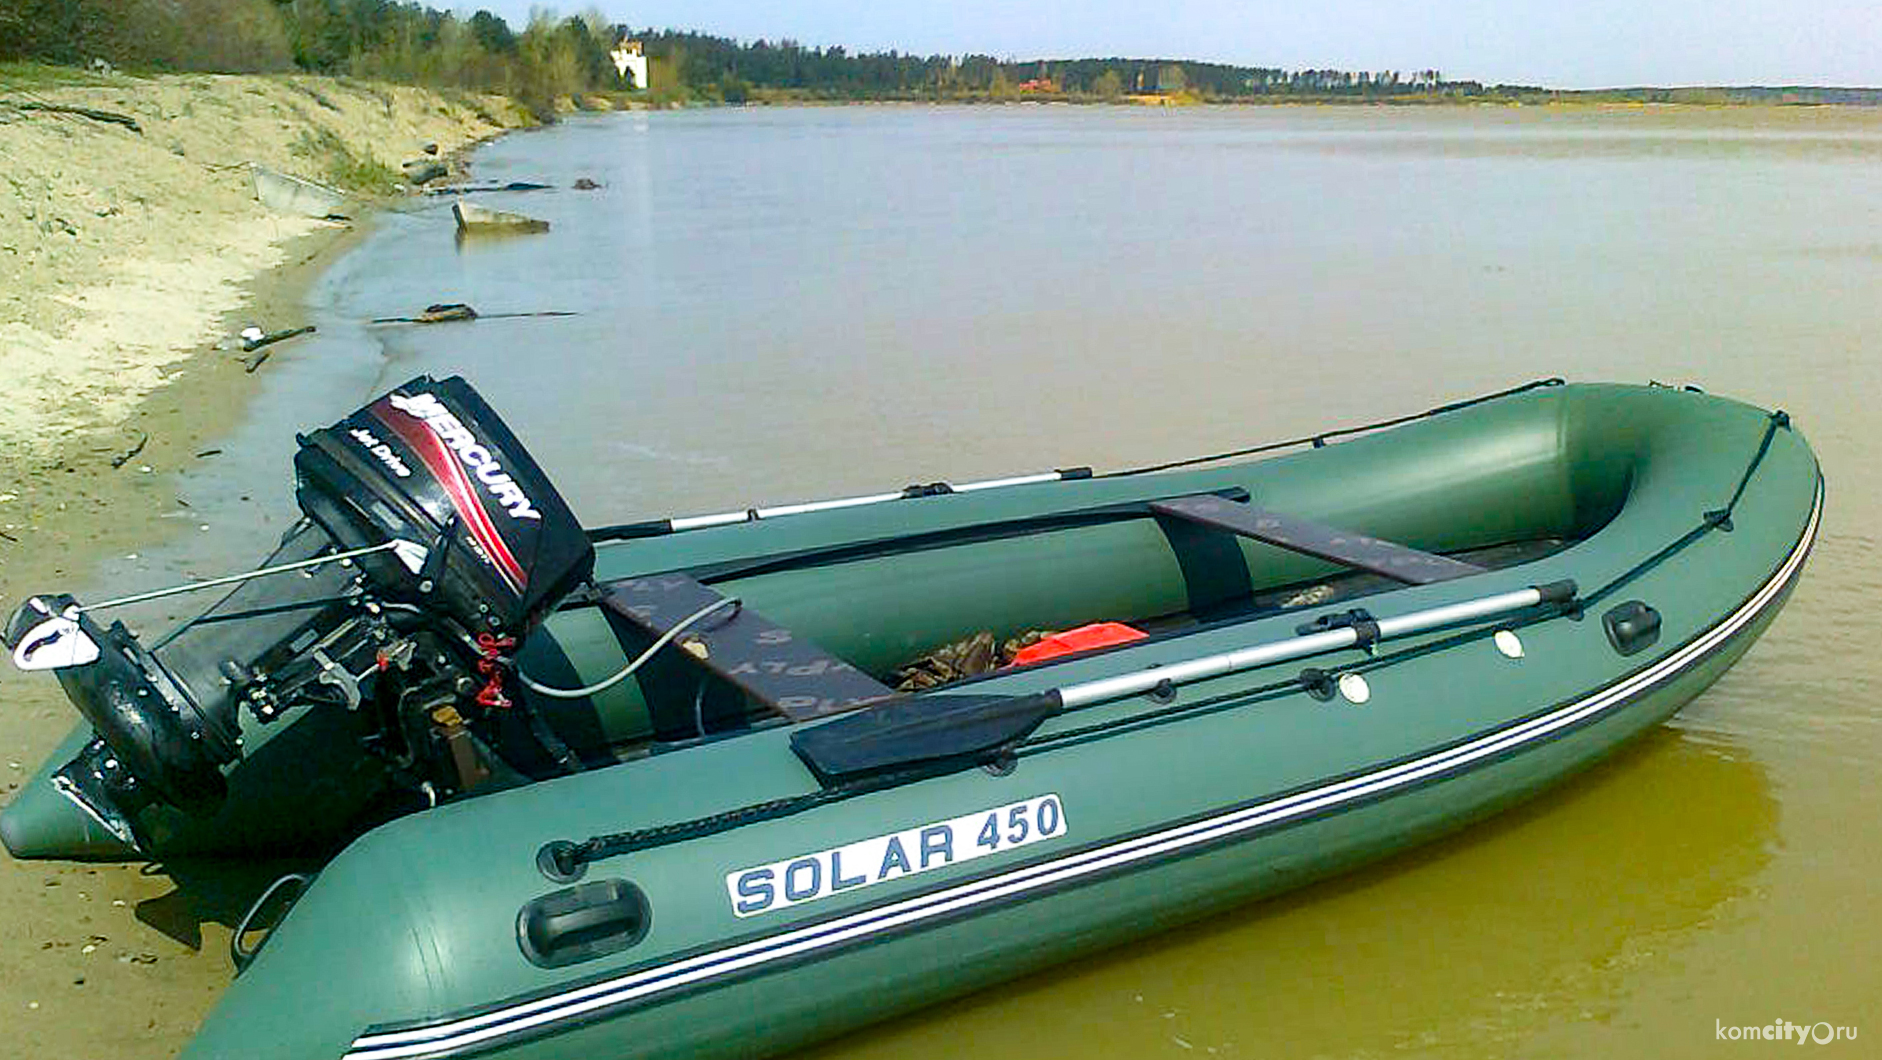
{"x":1469,"y":943}
{"x":1811,"y":693}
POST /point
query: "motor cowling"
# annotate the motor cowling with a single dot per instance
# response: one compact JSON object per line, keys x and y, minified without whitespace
{"x":483,"y":536}
{"x":472,"y":542}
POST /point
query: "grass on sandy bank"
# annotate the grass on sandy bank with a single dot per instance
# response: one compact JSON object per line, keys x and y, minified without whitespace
{"x":342,"y":168}
{"x":17,"y":76}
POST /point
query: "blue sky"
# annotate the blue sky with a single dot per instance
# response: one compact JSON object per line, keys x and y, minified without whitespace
{"x":1561,"y":43}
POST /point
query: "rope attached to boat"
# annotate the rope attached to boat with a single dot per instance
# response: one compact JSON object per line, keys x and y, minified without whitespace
{"x":1715,"y":519}
{"x":564,"y":861}
{"x":1320,"y":440}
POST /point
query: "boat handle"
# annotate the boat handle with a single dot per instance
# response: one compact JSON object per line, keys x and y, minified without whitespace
{"x":581,"y":923}
{"x":243,"y":955}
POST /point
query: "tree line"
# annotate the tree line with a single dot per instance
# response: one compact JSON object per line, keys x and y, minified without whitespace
{"x":396,"y":41}
{"x":711,"y":67}
{"x":554,"y":56}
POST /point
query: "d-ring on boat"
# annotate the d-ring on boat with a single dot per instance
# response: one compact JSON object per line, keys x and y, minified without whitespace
{"x":645,"y":790}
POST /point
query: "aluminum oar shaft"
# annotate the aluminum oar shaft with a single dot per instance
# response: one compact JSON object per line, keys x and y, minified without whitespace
{"x":694,"y":521}
{"x":677,"y":524}
{"x":1189,"y":670}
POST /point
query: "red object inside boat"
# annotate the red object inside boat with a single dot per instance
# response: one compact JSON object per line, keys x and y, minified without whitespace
{"x":1084,"y":638}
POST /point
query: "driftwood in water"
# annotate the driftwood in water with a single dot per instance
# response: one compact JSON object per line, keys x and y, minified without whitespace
{"x":249,"y":364}
{"x":440,"y":312}
{"x":469,"y":189}
{"x":125,"y":457}
{"x":275,"y":336}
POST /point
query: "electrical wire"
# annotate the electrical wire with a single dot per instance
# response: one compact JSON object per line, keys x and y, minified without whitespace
{"x":622,"y":674}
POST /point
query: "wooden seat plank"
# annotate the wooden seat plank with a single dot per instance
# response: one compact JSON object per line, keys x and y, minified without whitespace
{"x":767,"y":662}
{"x":1305,"y":536}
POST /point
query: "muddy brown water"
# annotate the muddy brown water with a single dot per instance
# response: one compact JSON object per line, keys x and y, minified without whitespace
{"x":780,"y":304}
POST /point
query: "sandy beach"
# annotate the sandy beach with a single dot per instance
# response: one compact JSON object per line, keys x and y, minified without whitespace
{"x":128,"y":261}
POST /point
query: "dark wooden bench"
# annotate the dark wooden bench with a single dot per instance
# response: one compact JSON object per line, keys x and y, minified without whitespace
{"x":770,"y":664}
{"x":1315,"y":539}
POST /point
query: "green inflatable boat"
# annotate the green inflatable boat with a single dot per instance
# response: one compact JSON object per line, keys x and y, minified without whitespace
{"x":653,"y":789}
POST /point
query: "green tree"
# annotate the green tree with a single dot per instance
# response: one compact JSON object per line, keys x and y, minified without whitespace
{"x":493,"y":34}
{"x":318,"y":34}
{"x":551,"y":68}
{"x":47,"y":29}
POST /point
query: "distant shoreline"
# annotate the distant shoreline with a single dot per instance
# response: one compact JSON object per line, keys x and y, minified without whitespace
{"x":1494,"y":96}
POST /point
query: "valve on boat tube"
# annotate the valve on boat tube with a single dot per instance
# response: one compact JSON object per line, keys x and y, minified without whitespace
{"x":429,"y":532}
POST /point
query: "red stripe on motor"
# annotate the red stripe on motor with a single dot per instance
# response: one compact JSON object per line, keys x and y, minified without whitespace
{"x":436,"y":456}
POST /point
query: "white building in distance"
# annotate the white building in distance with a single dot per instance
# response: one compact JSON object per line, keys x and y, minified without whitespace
{"x":628,"y":59}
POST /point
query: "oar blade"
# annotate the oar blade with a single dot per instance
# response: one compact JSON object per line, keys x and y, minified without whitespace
{"x":919,"y":730}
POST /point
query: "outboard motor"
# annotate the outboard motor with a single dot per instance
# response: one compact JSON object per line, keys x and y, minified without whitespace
{"x":432,"y":545}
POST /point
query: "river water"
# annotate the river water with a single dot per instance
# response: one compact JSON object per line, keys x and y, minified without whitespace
{"x":780,"y":304}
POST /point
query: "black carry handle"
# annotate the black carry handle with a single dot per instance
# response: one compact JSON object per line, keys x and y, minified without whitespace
{"x":581,"y":923}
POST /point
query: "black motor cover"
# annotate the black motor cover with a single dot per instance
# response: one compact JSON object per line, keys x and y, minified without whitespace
{"x":430,"y":463}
